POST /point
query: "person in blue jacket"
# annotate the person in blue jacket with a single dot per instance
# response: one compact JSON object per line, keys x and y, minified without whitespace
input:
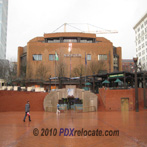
{"x":58,"y":111}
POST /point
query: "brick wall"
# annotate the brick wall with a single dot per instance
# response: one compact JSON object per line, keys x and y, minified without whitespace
{"x":15,"y":100}
{"x":112,"y":98}
{"x":34,"y":46}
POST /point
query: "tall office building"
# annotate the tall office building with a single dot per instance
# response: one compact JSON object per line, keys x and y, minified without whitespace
{"x":3,"y":27}
{"x":141,"y":41}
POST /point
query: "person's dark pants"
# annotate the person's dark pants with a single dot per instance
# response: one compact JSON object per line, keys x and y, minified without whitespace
{"x":26,"y":116}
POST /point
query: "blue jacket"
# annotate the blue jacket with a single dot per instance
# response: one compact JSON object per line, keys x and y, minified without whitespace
{"x":58,"y":105}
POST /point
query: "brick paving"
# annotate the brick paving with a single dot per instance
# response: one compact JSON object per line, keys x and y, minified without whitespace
{"x":132,"y":128}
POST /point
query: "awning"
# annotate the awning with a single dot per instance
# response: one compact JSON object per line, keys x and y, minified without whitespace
{"x":105,"y":82}
{"x":117,"y":81}
{"x":88,"y":83}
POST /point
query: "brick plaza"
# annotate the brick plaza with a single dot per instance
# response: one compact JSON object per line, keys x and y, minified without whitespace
{"x":132,"y":128}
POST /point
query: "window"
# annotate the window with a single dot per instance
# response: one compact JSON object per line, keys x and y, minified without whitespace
{"x":37,"y":57}
{"x":88,"y":57}
{"x":143,"y":52}
{"x":51,"y":57}
{"x":143,"y":59}
{"x":142,"y":26}
{"x":83,"y":41}
{"x":145,"y":29}
{"x":102,"y":57}
{"x":142,"y":45}
{"x":70,"y":40}
{"x":138,"y":41}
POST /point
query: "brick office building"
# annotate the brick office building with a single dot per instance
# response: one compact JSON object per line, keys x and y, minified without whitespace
{"x":39,"y":54}
{"x":128,"y":65}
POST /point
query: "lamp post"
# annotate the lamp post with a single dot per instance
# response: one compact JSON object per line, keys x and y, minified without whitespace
{"x":144,"y":90}
{"x":69,"y":50}
{"x":136,"y":85}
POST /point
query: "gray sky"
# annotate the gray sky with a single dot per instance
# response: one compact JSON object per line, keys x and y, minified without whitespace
{"x":31,"y":18}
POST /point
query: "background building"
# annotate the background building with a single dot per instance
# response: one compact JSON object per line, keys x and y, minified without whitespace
{"x":141,"y":41}
{"x":3,"y":27}
{"x":128,"y":65}
{"x":37,"y":59}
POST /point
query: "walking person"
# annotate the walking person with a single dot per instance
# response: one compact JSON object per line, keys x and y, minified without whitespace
{"x":27,"y":111}
{"x":58,"y":111}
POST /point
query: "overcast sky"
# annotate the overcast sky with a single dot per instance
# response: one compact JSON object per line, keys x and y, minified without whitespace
{"x":31,"y":18}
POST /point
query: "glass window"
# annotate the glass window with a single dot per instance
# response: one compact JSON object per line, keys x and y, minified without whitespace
{"x":37,"y":57}
{"x":83,"y":41}
{"x":102,"y":57}
{"x":70,"y":40}
{"x":51,"y":57}
{"x":88,"y":57}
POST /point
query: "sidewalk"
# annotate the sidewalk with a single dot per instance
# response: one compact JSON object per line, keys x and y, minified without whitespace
{"x":132,"y":128}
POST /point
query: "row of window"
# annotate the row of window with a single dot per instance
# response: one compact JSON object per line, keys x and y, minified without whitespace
{"x":141,"y":45}
{"x":143,"y":59}
{"x":76,"y":40}
{"x":143,"y":52}
{"x":38,"y":57}
{"x":142,"y":26}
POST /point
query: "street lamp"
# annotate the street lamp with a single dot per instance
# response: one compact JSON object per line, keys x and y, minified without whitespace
{"x":69,"y":50}
{"x":144,"y":89}
{"x":136,"y":85}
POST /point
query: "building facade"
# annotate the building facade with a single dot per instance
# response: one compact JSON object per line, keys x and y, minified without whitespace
{"x":3,"y":27}
{"x":89,"y":55}
{"x":141,"y":41}
{"x":128,"y":65}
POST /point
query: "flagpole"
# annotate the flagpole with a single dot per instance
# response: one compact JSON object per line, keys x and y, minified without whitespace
{"x":56,"y":59}
{"x":69,"y":49}
{"x":55,"y":69}
{"x":85,"y":68}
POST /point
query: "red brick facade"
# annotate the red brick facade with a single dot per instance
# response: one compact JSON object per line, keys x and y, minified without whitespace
{"x":42,"y":46}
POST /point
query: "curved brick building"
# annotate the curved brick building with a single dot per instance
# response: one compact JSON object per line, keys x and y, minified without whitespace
{"x":38,"y":56}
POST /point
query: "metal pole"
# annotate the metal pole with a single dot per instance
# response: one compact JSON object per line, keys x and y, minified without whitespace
{"x":85,"y":73}
{"x":70,"y":67}
{"x":144,"y":90}
{"x":69,"y":49}
{"x":93,"y":83}
{"x":55,"y":71}
{"x":136,"y":90}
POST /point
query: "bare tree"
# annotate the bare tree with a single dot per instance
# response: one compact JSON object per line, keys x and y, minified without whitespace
{"x":41,"y":72}
{"x":29,"y":71}
{"x":12,"y":72}
{"x":95,"y":67}
{"x":4,"y":69}
{"x":8,"y":71}
{"x":61,"y":66}
{"x":23,"y":72}
{"x":78,"y":71}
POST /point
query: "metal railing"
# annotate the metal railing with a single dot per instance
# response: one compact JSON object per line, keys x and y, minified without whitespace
{"x":54,"y":109}
{"x":85,"y":109}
